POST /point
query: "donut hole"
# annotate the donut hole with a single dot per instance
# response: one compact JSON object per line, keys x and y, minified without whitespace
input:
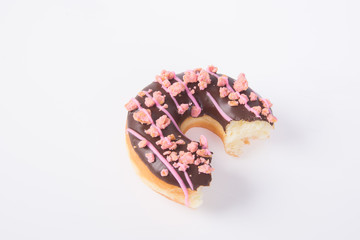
{"x":237,"y":133}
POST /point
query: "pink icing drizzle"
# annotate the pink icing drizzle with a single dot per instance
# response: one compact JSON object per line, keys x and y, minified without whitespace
{"x":172,"y":97}
{"x":223,"y":114}
{"x":166,"y":163}
{"x":188,"y":180}
{"x":165,"y":111}
{"x":148,"y":115}
{"x":188,"y":93}
{"x":232,"y":90}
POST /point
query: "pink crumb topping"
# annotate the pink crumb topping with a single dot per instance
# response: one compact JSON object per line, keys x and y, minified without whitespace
{"x":271,"y":118}
{"x":182,"y":167}
{"x":253,"y":96}
{"x":212,"y":69}
{"x":141,"y":94}
{"x":168,"y":74}
{"x":187,"y":158}
{"x":180,"y":142}
{"x":265,"y":111}
{"x":131,"y":105}
{"x":163,"y":121}
{"x":203,"y":160}
{"x":149,"y":102}
{"x":142,"y":117}
{"x":203,"y":152}
{"x":152,"y":131}
{"x":203,"y":141}
{"x":204,"y":76}
{"x":224,"y":92}
{"x":197,"y":161}
{"x":166,"y":153}
{"x":190,"y":77}
{"x":243,"y":99}
{"x":176,"y":88}
{"x":183,"y":108}
{"x":222,"y":81}
{"x":257,"y":109}
{"x":164,"y":172}
{"x":266,"y":102}
{"x":166,"y":83}
{"x":205,"y":169}
{"x":195,"y":111}
{"x":202,"y":85}
{"x":159,"y":97}
{"x":192,"y":147}
{"x":233,"y":96}
{"x":142,"y":143}
{"x":233,"y":103}
{"x":150,"y":157}
{"x":241,"y":84}
{"x":165,"y":106}
{"x":166,"y":144}
{"x":174,"y":156}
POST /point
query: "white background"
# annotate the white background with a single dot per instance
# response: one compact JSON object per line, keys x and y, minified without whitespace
{"x":68,"y":67}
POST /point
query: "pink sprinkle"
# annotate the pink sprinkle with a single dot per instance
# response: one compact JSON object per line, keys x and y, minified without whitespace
{"x":195,"y":111}
{"x":204,"y":76}
{"x":265,"y":111}
{"x":243,"y":99}
{"x":222,"y":81}
{"x":253,"y":96}
{"x":164,"y":172}
{"x":142,"y":143}
{"x":224,"y":92}
{"x":131,"y":105}
{"x":152,"y":131}
{"x":192,"y":91}
{"x":150,"y":157}
{"x":192,"y":147}
{"x":166,"y":153}
{"x":203,"y":141}
{"x":183,"y":108}
{"x":203,"y":160}
{"x":241,"y":84}
{"x":233,"y":96}
{"x":202,"y":85}
{"x":266,"y":102}
{"x":180,"y":142}
{"x":257,"y":109}
{"x":163,"y":121}
{"x":205,"y":169}
{"x":233,"y":103}
{"x":149,"y":102}
{"x":190,"y":77}
{"x":271,"y":118}
{"x":159,"y":97}
{"x":150,"y":90}
{"x":203,"y":152}
{"x":165,"y":106}
{"x":141,"y":94}
{"x":142,"y":117}
{"x":213,"y":69}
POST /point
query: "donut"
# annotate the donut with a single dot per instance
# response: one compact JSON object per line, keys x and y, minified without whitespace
{"x":159,"y":116}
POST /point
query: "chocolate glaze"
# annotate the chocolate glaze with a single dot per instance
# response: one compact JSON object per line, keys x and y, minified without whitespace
{"x":237,"y":113}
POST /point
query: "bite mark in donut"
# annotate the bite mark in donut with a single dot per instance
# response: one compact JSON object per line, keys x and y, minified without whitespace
{"x":164,"y":157}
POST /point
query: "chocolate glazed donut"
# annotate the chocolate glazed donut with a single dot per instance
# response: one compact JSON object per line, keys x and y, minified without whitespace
{"x":169,"y":162}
